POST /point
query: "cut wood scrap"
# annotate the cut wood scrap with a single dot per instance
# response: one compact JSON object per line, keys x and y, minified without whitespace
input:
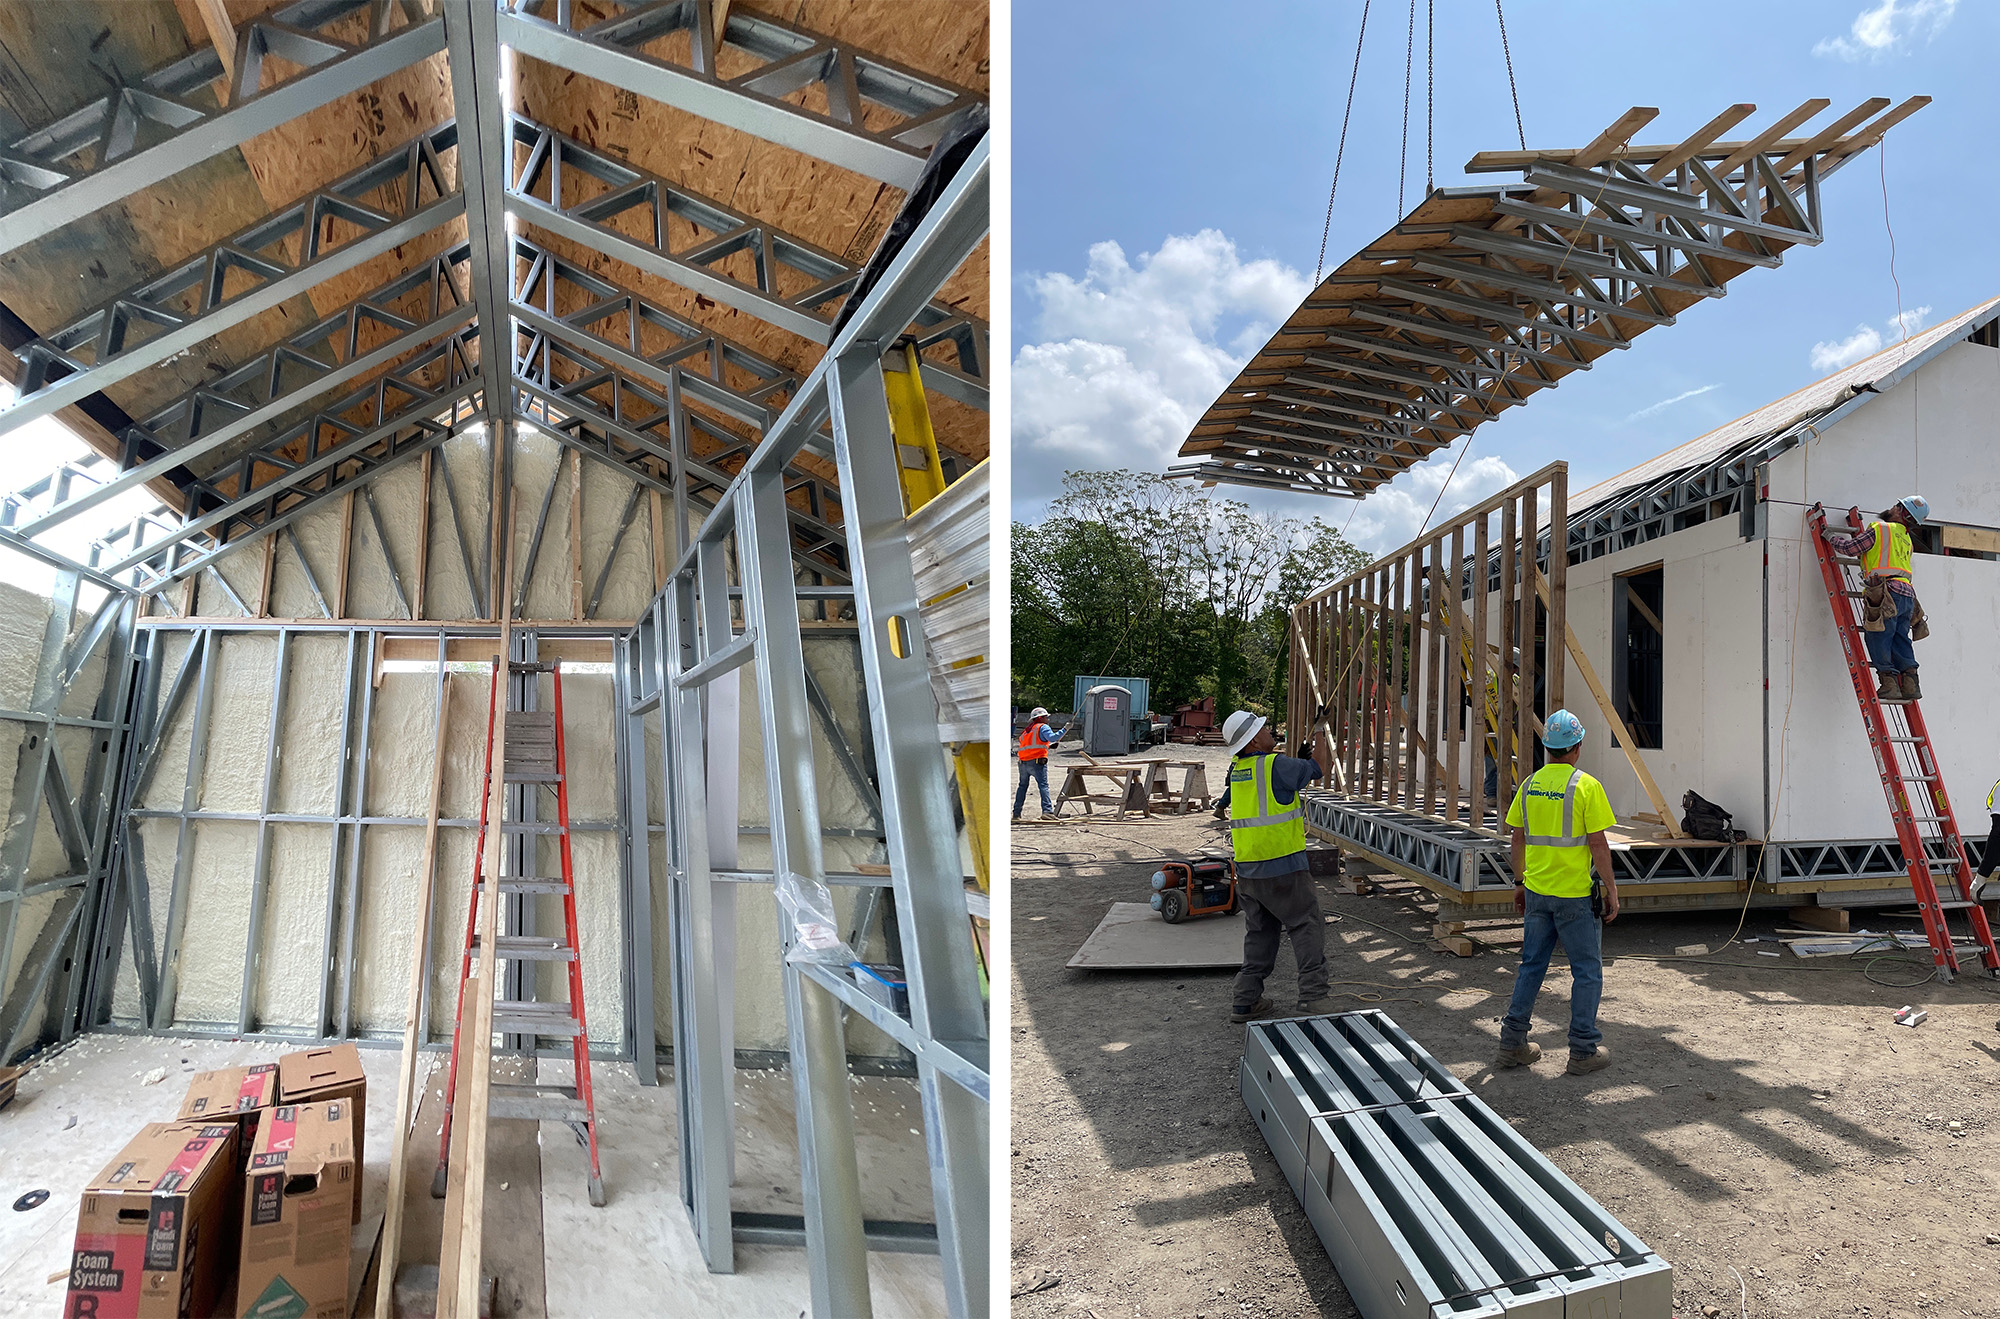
{"x":1821,"y":918}
{"x":1456,"y":944}
{"x":1357,"y":886}
{"x":465,"y":1186}
{"x":1445,"y":929}
{"x":406,"y":1074}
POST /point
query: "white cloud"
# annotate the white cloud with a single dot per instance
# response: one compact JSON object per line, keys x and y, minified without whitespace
{"x":1394,"y":514}
{"x":1832,"y":355}
{"x":1893,"y":23}
{"x":1132,"y":353}
{"x":1665,"y":403}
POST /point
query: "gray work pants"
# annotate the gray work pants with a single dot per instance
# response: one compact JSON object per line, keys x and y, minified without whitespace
{"x":1272,"y":907}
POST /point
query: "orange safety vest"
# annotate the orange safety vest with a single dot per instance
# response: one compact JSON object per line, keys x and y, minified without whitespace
{"x":1889,"y":556}
{"x":1032,"y":748}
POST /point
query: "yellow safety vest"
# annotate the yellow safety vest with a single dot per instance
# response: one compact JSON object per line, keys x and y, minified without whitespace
{"x":1550,"y":818}
{"x":1889,"y":556}
{"x":1259,"y":828}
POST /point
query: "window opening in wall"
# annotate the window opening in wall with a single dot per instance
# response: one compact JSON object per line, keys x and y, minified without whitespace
{"x":1639,"y":642}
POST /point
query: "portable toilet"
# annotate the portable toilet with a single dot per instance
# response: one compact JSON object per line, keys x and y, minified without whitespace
{"x":1107,"y":720}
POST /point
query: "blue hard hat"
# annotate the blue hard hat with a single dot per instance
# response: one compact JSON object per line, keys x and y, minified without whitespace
{"x":1916,"y":506}
{"x":1563,"y":731}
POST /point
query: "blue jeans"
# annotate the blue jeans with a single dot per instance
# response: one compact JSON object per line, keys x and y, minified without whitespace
{"x":1889,"y":650}
{"x":1549,"y":921}
{"x":1037,"y":770}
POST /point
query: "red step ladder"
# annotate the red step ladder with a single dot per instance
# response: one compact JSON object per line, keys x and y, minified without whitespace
{"x":1924,"y":822}
{"x":534,"y":759}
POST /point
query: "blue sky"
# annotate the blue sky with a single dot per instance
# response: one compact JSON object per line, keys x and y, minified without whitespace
{"x":1170,"y":171}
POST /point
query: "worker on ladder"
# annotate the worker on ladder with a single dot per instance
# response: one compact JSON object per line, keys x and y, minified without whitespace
{"x":1884,"y":551}
{"x":1274,"y":883}
{"x":1033,"y":751}
{"x":1559,"y":817}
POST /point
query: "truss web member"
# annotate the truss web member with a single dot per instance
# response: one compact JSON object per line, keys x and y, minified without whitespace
{"x":1274,"y":883}
{"x":1885,"y":553}
{"x":1559,"y":817}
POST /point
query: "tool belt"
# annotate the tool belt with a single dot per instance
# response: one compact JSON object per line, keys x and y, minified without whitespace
{"x":1877,"y":608}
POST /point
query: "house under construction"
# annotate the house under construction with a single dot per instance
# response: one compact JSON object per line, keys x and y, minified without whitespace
{"x":532,"y":448}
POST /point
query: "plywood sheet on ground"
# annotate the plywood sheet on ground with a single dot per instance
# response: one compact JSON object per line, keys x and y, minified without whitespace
{"x":1132,"y":937}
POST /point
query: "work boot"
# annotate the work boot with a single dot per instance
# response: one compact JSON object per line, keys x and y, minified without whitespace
{"x":1888,"y":686}
{"x":1518,"y":1056}
{"x":1323,"y":1006}
{"x":1241,"y":1015}
{"x":1581,"y":1064}
{"x":1911,"y":692}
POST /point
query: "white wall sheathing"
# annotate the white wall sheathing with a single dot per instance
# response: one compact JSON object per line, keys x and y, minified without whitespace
{"x":239,"y":725}
{"x":289,"y":947}
{"x":1933,"y":434}
{"x":384,"y":926}
{"x":1712,"y":691}
{"x":536,"y":461}
{"x":309,"y":747}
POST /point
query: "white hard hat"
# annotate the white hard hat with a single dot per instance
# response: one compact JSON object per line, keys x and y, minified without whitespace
{"x":1038,"y":713}
{"x":1239,"y":728}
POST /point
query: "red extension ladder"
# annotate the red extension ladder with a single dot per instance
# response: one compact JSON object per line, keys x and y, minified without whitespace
{"x":1925,"y":825}
{"x":534,"y":759}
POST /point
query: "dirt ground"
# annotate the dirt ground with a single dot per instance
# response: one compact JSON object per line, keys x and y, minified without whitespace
{"x":1761,"y":1113}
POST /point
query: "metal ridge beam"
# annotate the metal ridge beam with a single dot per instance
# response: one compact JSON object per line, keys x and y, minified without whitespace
{"x":754,"y":102}
{"x":102,"y":332}
{"x":52,"y":194}
{"x":482,"y":156}
{"x":550,"y":157}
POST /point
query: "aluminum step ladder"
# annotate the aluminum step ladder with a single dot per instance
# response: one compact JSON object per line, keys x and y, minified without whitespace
{"x":533,"y":759}
{"x":1918,"y":803}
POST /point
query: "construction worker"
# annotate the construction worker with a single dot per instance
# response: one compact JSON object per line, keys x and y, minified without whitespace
{"x":1559,"y":817}
{"x":1884,"y":551}
{"x":1988,"y":887}
{"x":1274,"y":883}
{"x":1033,"y":750}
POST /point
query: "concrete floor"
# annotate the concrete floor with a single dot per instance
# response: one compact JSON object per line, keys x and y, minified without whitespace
{"x":549,"y":1247}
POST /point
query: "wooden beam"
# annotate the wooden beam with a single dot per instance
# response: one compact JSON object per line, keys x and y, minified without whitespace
{"x":721,"y":19}
{"x":1618,"y":727}
{"x":406,"y":1074}
{"x":1704,"y":136}
{"x":214,"y":16}
{"x":270,"y":566}
{"x":1602,"y":147}
{"x":659,"y":541}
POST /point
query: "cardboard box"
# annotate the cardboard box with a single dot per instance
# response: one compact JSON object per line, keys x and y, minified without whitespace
{"x":319,"y":1076}
{"x":297,"y":1190}
{"x":157,"y":1227}
{"x":237,"y":1094}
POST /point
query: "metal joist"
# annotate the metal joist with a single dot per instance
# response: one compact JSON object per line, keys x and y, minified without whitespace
{"x":93,"y":157}
{"x":880,"y":118}
{"x":476,"y":87}
{"x":257,"y":268}
{"x":1425,"y":1198}
{"x":692,"y":241}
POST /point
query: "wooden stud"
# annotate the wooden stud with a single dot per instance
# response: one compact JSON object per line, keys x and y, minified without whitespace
{"x":1454,"y":685}
{"x":659,"y":541}
{"x":406,"y":1074}
{"x":423,"y":536}
{"x":1397,"y":620}
{"x":1434,"y":679}
{"x":1820,"y":918}
{"x":346,"y":546}
{"x":1509,"y":747}
{"x":1351,"y":683}
{"x":1525,"y":706}
{"x":1385,"y":693}
{"x":1558,"y":576}
{"x":215,"y":17}
{"x":264,"y":586}
{"x":1479,"y":672}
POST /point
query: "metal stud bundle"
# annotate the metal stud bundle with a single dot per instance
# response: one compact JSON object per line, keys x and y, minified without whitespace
{"x":1428,"y":1202}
